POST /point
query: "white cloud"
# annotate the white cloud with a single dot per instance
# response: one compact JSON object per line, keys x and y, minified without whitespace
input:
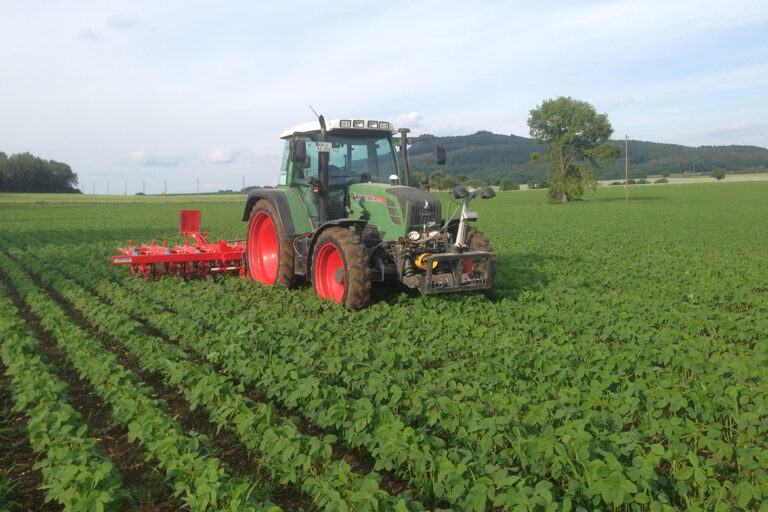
{"x":141,"y":157}
{"x":614,"y":103}
{"x":741,"y":132}
{"x":93,"y":35}
{"x":123,"y":20}
{"x":738,"y":125}
{"x":221,"y":156}
{"x":412,"y":120}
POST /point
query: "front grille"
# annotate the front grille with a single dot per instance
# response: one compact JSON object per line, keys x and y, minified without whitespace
{"x":424,"y":212}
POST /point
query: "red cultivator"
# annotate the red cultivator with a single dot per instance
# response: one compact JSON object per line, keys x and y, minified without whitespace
{"x":203,"y":258}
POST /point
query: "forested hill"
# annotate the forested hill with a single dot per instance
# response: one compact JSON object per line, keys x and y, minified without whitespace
{"x":489,"y":157}
{"x":25,"y":172}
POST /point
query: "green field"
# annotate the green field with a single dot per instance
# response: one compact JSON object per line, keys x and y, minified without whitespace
{"x":620,"y":364}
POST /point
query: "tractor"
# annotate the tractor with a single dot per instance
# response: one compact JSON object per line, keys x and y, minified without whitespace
{"x":345,"y":214}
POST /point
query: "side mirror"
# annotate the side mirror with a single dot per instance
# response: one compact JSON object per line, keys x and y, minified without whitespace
{"x":440,"y":154}
{"x":487,"y":192}
{"x":459,"y":192}
{"x":298,"y":151}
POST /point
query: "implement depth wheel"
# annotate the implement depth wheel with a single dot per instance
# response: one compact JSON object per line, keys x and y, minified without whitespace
{"x":269,"y":255}
{"x":340,"y":268}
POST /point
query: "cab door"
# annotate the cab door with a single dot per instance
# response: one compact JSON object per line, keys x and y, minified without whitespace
{"x":303,"y":176}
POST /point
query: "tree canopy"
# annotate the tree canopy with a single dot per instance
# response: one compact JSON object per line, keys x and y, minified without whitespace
{"x":718,"y":173}
{"x":577,"y":138}
{"x":25,"y":172}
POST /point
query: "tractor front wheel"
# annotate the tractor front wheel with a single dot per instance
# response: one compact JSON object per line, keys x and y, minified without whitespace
{"x":269,"y":254}
{"x":340,"y":268}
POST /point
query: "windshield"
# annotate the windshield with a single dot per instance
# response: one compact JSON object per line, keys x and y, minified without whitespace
{"x":360,"y":160}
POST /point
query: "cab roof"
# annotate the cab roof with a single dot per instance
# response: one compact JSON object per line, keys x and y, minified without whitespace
{"x":348,"y":124}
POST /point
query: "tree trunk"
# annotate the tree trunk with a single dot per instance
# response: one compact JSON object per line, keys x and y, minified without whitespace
{"x":563,"y":168}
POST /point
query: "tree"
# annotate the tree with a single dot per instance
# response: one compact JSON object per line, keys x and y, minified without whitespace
{"x":25,"y":172}
{"x":474,"y":184}
{"x":718,"y":173}
{"x":436,"y":180}
{"x":4,"y":171}
{"x":508,"y":183}
{"x":577,"y":137}
{"x":448,"y":182}
{"x":416,"y":179}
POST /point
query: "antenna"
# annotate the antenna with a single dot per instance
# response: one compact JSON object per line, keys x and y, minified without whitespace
{"x":313,"y":111}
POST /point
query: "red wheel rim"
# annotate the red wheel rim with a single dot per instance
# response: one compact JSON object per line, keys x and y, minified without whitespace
{"x":328,"y":266}
{"x":263,"y":249}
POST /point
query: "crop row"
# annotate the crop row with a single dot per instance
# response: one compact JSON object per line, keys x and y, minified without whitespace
{"x":358,"y":428}
{"x":388,"y":440}
{"x":658,"y":400}
{"x":652,"y":438}
{"x":76,"y":473}
{"x":290,"y":456}
{"x":197,"y":479}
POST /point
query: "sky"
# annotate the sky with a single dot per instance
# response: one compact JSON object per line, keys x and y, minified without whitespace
{"x":147,"y":95}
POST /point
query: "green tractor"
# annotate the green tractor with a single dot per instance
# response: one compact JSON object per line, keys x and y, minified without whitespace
{"x":345,"y":214}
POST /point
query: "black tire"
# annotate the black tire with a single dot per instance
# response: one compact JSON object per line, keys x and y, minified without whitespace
{"x":340,"y":268}
{"x":477,"y":241}
{"x":284,"y":272}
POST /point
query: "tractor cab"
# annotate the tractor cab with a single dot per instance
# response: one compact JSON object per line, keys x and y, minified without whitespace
{"x":355,"y":152}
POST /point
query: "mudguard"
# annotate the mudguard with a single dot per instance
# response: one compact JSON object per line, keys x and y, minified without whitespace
{"x":279,"y":201}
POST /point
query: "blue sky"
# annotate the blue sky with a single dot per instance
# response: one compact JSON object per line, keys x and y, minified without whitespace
{"x":141,"y":93}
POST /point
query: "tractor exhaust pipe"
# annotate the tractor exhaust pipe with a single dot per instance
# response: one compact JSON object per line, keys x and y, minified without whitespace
{"x":404,"y":153}
{"x":322,"y":174}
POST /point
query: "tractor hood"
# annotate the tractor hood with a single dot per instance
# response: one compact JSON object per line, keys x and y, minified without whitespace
{"x":418,"y":206}
{"x":395,"y":210}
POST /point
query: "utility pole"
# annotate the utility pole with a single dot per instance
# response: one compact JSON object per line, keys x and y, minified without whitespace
{"x":626,"y":169}
{"x":198,"y":185}
{"x":165,"y":187}
{"x":125,"y":188}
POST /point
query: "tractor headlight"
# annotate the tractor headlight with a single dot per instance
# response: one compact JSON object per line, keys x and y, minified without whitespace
{"x":358,"y":123}
{"x":373,"y":124}
{"x":414,"y":236}
{"x":384,"y":125}
{"x":345,"y":123}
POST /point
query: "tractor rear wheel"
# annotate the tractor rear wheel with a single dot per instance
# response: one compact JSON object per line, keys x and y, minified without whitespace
{"x":340,"y":268}
{"x":269,"y":254}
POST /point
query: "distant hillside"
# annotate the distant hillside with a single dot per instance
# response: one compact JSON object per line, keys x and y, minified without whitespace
{"x":489,"y":157}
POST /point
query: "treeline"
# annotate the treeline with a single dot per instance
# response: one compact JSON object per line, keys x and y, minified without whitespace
{"x":490,"y":157}
{"x":24,"y":172}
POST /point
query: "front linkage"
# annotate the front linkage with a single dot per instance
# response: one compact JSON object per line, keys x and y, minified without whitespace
{"x":432,"y":263}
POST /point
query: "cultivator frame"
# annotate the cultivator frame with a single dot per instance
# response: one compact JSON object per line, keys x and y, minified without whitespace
{"x":200,"y":258}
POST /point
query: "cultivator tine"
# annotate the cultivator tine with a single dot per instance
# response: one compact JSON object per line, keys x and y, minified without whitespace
{"x":200,"y":258}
